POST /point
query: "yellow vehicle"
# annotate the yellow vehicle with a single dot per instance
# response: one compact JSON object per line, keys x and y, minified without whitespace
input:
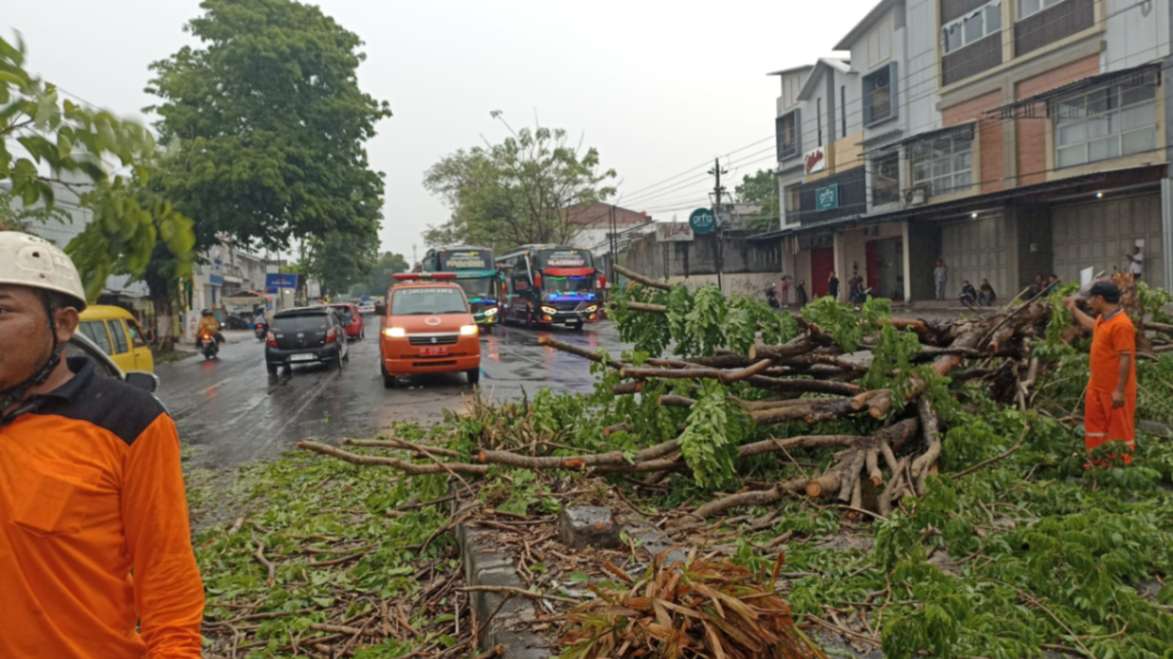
{"x":117,"y":333}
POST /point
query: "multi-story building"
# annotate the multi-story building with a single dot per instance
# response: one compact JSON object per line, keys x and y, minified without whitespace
{"x":1009,"y":138}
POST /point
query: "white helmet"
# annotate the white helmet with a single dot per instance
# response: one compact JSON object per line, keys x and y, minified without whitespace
{"x":27,"y":260}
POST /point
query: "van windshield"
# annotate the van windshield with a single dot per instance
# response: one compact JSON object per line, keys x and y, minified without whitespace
{"x":427,"y":301}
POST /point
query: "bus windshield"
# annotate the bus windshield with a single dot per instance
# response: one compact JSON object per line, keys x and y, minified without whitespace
{"x":477,"y":287}
{"x":573,"y":284}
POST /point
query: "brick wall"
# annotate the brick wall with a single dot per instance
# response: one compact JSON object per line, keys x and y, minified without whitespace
{"x":1032,"y":133}
{"x":989,"y":136}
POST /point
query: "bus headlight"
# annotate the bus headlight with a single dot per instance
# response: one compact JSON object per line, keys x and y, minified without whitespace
{"x":549,"y":310}
{"x":469,"y":330}
{"x":591,"y":309}
{"x":395,"y":332}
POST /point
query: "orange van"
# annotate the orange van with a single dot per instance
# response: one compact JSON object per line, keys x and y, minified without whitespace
{"x":427,"y":327}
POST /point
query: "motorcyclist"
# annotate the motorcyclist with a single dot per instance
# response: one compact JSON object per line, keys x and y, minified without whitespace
{"x":208,"y":326}
{"x":95,"y":549}
{"x":259,"y":316}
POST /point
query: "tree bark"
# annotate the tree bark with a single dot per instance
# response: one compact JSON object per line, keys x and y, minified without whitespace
{"x":641,"y":279}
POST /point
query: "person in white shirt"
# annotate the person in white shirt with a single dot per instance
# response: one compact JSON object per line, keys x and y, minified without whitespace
{"x":1136,"y":263}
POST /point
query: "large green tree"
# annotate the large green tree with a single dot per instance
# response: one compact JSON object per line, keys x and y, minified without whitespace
{"x":378,"y":279}
{"x":516,"y":191}
{"x":761,"y":188}
{"x":270,"y":125}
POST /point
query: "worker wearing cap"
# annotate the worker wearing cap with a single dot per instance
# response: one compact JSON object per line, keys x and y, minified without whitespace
{"x":95,"y":551}
{"x":1110,"y":403}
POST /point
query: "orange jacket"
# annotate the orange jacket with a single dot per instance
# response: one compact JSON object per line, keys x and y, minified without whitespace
{"x":95,"y":551}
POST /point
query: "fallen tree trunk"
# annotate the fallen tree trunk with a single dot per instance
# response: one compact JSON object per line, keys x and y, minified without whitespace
{"x":697,"y":373}
{"x":597,"y":357}
{"x":643,"y":280}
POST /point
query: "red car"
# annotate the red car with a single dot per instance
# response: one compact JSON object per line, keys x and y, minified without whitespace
{"x":351,"y":320}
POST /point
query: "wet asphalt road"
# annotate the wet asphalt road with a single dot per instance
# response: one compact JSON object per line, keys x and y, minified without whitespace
{"x":229,"y":411}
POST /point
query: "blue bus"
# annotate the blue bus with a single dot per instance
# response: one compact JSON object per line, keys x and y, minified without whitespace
{"x":476,"y":272}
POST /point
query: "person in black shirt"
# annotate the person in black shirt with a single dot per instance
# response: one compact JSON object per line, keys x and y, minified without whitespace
{"x":986,"y":294}
{"x":833,"y":286}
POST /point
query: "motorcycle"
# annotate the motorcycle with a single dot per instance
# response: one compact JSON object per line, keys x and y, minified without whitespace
{"x":261,"y":330}
{"x":209,"y":345}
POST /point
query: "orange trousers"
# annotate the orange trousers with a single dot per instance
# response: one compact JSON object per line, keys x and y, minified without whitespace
{"x":1103,"y":423}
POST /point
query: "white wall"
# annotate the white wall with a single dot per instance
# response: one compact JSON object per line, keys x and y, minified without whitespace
{"x":1136,"y":33}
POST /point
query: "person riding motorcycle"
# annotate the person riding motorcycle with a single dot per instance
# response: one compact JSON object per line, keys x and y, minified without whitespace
{"x":209,"y":326}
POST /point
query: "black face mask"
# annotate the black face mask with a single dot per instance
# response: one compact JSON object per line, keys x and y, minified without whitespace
{"x":13,"y":395}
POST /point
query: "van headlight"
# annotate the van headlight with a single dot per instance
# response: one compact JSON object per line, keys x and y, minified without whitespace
{"x":469,"y":330}
{"x":491,"y":311}
{"x":395,"y":332}
{"x":549,"y":310}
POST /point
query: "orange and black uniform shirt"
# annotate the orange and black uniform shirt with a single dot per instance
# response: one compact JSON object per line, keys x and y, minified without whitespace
{"x":95,"y":551}
{"x":1111,"y":338}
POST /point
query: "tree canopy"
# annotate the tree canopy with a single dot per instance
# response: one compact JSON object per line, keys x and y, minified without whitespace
{"x":378,"y":279}
{"x":270,"y":125}
{"x":517,"y":191}
{"x":761,"y":188}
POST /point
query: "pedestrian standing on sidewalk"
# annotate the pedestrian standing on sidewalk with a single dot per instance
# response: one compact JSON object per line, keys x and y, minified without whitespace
{"x":800,"y":291}
{"x":95,"y":551}
{"x":833,"y":286}
{"x":1135,"y":263}
{"x":940,"y":276}
{"x":1109,"y":407}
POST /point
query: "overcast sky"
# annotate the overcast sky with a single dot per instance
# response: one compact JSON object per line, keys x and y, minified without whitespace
{"x":658,"y":87}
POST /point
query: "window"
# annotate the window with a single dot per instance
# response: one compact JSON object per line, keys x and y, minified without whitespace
{"x":943,"y":163}
{"x":1116,"y":120}
{"x":793,"y":200}
{"x":786,"y":128}
{"x":95,"y":331}
{"x":427,"y":302}
{"x":136,"y":335}
{"x":843,"y":108}
{"x":1027,"y":8}
{"x":879,"y":95}
{"x":121,"y":345}
{"x":886,"y":179}
{"x":819,"y":118}
{"x":972,"y":27}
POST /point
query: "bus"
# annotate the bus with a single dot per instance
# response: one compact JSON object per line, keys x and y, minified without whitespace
{"x":550,"y":285}
{"x":476,"y":272}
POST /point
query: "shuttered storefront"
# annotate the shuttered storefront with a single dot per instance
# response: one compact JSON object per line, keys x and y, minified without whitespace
{"x":977,"y":249}
{"x":1100,"y":233}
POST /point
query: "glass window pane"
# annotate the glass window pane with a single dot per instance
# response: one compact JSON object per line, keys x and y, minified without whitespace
{"x":1139,"y":116}
{"x":1100,"y":127}
{"x":1105,"y":148}
{"x":952,"y":37}
{"x":96,"y":332}
{"x":1027,"y":7}
{"x":963,"y":180}
{"x":136,"y":335}
{"x":1072,"y":108}
{"x":973,"y":27}
{"x":920,"y":171}
{"x":1139,"y":141}
{"x":941,"y":168}
{"x":1072,"y":155}
{"x":1131,"y":94}
{"x":1100,"y":101}
{"x":993,"y":17}
{"x":1072,"y":134}
{"x":120,"y":343}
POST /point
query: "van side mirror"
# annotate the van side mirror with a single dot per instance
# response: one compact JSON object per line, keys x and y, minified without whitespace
{"x":380,"y":309}
{"x":147,"y":382}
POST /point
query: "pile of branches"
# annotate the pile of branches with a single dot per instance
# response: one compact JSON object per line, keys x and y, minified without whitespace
{"x":780,"y":372}
{"x":702,"y":608}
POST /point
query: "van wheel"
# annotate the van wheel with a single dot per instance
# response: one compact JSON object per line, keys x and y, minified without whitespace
{"x":272,"y":368}
{"x":474,"y":375}
{"x":388,"y":381}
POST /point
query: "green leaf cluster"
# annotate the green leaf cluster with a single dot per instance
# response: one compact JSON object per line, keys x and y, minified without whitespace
{"x":42,"y":134}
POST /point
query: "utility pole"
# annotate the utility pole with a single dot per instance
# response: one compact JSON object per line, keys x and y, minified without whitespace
{"x":719,"y":252}
{"x":612,"y":245}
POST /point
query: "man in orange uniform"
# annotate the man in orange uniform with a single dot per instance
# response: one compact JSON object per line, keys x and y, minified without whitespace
{"x":1110,"y":403}
{"x":95,"y":551}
